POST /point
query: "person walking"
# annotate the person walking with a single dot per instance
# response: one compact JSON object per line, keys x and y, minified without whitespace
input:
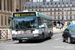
{"x":10,"y":32}
{"x":60,"y":26}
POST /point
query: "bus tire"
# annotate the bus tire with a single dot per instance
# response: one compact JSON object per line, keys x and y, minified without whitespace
{"x":50,"y":35}
{"x":42,"y":39}
{"x":20,"y":41}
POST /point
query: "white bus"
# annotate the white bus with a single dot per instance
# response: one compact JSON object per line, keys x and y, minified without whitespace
{"x":31,"y":25}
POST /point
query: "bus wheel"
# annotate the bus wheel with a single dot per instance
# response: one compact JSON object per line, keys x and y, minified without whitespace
{"x":50,"y":35}
{"x":42,"y":39}
{"x":20,"y":41}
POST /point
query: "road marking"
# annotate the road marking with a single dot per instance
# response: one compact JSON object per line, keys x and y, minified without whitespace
{"x":58,"y":39}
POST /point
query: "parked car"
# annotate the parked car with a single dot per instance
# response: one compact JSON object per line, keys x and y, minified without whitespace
{"x":69,"y":34}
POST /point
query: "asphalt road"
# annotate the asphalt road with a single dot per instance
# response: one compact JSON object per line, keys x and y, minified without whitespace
{"x":48,"y":44}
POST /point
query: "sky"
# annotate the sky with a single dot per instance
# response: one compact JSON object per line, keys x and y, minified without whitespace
{"x":47,"y":0}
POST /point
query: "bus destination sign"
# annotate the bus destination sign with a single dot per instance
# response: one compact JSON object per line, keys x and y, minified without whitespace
{"x":24,"y":14}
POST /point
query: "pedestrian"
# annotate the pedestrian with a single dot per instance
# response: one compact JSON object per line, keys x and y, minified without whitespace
{"x":60,"y":26}
{"x":10,"y":32}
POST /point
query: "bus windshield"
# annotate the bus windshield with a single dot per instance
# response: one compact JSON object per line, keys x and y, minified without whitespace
{"x":25,"y":23}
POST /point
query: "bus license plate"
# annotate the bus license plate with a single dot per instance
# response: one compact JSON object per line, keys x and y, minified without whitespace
{"x":24,"y":38}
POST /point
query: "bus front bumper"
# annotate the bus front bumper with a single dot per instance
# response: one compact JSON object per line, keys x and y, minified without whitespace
{"x":27,"y":37}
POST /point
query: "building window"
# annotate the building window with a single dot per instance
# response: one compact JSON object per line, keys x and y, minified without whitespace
{"x":54,"y":12}
{"x":47,"y":13}
{"x":66,"y":17}
{"x":62,"y":13}
{"x":63,"y":3}
{"x":58,"y":13}
{"x":47,"y":3}
{"x":51,"y":3}
{"x":58,"y":9}
{"x":74,"y":8}
{"x":54,"y":17}
{"x":55,"y":3}
{"x":25,"y":7}
{"x":47,"y":9}
{"x":28,"y":9}
{"x":43,"y":3}
{"x":70,"y":17}
{"x":54,"y":9}
{"x":35,"y":9}
{"x":39,"y":10}
{"x":36,"y":6}
{"x":70,"y":2}
{"x":74,"y":17}
{"x":39,"y":6}
{"x":58,"y":17}
{"x":74,"y":12}
{"x":70,"y":8}
{"x":32,"y":10}
{"x":50,"y":9}
{"x":70,"y":12}
{"x":51,"y":13}
{"x":62,"y":17}
{"x":67,"y":3}
{"x":43,"y":9}
{"x":32,"y":6}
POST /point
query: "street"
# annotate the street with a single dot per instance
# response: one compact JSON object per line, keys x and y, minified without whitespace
{"x":49,"y":44}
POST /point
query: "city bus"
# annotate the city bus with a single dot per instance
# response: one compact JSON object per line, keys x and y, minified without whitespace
{"x":31,"y":26}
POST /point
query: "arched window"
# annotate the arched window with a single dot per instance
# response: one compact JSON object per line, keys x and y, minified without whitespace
{"x":35,"y":9}
{"x":32,"y":10}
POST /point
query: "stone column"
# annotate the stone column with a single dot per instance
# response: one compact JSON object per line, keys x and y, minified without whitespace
{"x":7,"y":20}
{"x":0,"y":19}
{"x":3,"y":20}
{"x":9,"y":5}
{"x":2,"y":4}
{"x":6,"y":5}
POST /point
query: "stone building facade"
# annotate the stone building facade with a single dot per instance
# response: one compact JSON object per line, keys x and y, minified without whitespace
{"x":54,"y":9}
{"x":7,"y":7}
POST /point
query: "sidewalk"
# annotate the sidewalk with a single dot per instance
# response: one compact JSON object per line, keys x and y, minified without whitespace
{"x":4,"y":40}
{"x":56,"y":31}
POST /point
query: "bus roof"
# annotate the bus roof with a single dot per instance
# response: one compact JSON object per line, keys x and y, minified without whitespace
{"x":37,"y":14}
{"x":45,"y":16}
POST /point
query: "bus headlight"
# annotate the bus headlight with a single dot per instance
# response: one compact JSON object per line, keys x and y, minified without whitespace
{"x":14,"y":32}
{"x":35,"y":32}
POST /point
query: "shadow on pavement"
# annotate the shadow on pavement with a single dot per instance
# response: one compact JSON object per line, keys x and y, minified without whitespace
{"x":72,"y":43}
{"x":33,"y":41}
